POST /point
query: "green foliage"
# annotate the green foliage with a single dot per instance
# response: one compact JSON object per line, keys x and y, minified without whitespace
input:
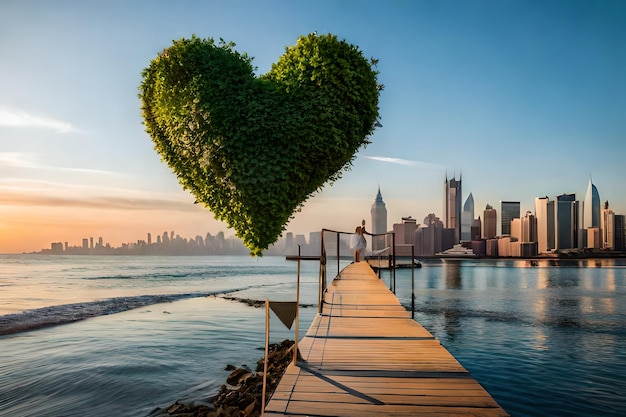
{"x":254,"y":149}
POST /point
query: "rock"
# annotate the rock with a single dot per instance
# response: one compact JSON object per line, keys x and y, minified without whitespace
{"x":175,"y":407}
{"x":241,"y":395}
{"x":235,"y":376}
{"x":250,"y":408}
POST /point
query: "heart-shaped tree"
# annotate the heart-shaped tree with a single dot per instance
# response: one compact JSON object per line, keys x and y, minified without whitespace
{"x":254,"y":149}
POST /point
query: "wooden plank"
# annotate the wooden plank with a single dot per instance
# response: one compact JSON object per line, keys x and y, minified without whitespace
{"x":364,"y":410}
{"x":478,"y":401}
{"x":364,"y":356}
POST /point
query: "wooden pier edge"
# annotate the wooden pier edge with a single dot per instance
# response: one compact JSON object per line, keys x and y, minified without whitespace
{"x":364,"y":356}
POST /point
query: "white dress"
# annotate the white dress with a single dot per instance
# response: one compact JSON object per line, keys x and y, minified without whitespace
{"x":357,"y":242}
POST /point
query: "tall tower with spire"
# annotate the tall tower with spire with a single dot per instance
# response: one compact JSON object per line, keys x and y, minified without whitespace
{"x":591,"y":208}
{"x":379,"y":221}
{"x":452,"y":206}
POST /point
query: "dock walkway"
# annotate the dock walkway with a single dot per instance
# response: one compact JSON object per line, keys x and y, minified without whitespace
{"x":364,"y":356}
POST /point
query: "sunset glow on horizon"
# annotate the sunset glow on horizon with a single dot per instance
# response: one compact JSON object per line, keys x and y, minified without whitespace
{"x":521,"y":99}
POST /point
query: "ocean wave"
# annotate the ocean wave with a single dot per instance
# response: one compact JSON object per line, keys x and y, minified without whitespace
{"x":144,"y":276}
{"x":202,"y":272}
{"x":69,"y":313}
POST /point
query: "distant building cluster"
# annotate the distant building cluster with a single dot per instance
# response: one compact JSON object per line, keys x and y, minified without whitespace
{"x":563,"y":225}
{"x":167,"y":243}
{"x":170,"y":243}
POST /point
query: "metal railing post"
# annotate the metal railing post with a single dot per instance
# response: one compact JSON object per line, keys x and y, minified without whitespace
{"x":338,"y":253}
{"x":412,"y":281}
{"x":322,"y":283}
{"x":295,"y":349}
{"x":392,"y":264}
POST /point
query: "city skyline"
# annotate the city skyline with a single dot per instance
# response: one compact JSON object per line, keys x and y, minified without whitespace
{"x":379,"y":202}
{"x":378,"y":216}
{"x":564,"y":225}
{"x":518,"y":98}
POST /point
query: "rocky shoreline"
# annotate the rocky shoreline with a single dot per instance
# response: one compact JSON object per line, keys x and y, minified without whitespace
{"x":241,"y":395}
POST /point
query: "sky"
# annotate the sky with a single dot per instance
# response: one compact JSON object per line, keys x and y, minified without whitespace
{"x":518,"y":98}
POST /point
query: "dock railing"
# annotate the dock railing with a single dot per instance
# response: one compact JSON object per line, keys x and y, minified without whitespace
{"x":335,"y":250}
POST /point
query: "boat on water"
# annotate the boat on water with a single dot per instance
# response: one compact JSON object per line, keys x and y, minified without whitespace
{"x":457,"y":251}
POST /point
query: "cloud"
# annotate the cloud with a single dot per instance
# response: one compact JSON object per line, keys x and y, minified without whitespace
{"x":48,"y":194}
{"x":81,"y":170}
{"x":29,"y":160}
{"x":400,"y":161}
{"x":99,"y":202}
{"x":17,"y":118}
{"x":16,"y":159}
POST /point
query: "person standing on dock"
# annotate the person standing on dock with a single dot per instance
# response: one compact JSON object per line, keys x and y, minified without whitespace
{"x":358,"y":242}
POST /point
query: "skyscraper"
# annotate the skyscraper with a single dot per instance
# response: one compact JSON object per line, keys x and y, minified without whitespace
{"x":452,"y":206}
{"x":529,"y":228}
{"x":405,"y":231}
{"x":608,"y":227}
{"x":379,"y":221}
{"x":475,"y":229}
{"x":516,"y":230}
{"x":467,"y":217}
{"x":429,"y":237}
{"x":620,"y":241}
{"x":544,"y":212}
{"x":491,"y":222}
{"x":566,"y":222}
{"x":509,"y":210}
{"x":592,"y":207}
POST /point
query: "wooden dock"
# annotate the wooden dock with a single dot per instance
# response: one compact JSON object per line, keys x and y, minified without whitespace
{"x":364,"y":356}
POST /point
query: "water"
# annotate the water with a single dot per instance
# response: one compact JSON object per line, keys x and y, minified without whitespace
{"x":544,"y":340}
{"x":32,"y":281}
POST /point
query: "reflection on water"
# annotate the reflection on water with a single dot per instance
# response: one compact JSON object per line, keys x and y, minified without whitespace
{"x":541,"y":339}
{"x":452,"y":273}
{"x":607,"y":305}
{"x":610,"y":279}
{"x":545,"y":339}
